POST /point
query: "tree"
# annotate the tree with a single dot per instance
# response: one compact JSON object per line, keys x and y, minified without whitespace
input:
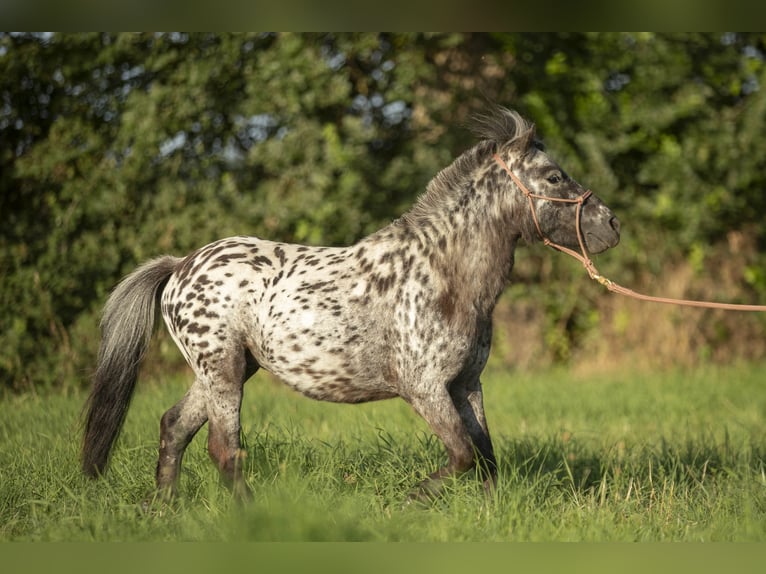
{"x":117,"y":147}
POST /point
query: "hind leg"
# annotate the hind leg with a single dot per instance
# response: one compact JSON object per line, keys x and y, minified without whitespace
{"x":218,"y":401}
{"x":223,"y":442}
{"x":177,"y":428}
{"x":224,"y":400}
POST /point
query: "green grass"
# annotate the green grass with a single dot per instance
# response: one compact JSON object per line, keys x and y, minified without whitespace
{"x":618,"y":457}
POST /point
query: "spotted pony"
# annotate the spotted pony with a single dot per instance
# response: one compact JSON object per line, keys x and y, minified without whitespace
{"x":405,"y":312}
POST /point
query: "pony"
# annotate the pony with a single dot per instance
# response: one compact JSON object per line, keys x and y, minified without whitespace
{"x":404,"y":312}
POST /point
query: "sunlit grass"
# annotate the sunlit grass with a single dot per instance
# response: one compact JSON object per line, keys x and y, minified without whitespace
{"x":648,"y":456}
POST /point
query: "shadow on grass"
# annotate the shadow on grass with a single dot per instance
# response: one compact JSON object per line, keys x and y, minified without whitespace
{"x":561,"y":462}
{"x":622,"y":471}
{"x":391,"y":465}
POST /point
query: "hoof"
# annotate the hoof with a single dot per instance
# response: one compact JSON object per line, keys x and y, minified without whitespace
{"x":426,"y":492}
{"x":159,"y":503}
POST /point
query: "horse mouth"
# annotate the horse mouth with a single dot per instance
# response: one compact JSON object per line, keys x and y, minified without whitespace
{"x":605,"y":239}
{"x":597,"y":245}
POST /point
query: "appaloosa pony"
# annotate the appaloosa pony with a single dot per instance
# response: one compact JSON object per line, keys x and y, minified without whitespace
{"x":405,"y":312}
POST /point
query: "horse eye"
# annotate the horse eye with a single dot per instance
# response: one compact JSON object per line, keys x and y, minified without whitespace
{"x":554,"y":179}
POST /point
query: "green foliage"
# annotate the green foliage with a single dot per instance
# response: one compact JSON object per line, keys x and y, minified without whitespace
{"x":118,"y":147}
{"x":677,"y":456}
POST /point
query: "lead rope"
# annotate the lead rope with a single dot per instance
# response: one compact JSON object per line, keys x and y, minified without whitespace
{"x":583,"y":258}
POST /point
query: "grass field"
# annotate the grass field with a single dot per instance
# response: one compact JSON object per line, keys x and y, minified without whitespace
{"x":620,"y":457}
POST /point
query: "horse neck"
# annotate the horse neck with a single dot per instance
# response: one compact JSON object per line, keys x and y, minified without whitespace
{"x":469,"y":237}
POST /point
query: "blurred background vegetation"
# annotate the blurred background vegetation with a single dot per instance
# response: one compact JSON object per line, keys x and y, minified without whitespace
{"x":118,"y":147}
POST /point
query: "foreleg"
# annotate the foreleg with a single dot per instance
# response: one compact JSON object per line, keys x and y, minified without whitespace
{"x":442,"y":416}
{"x":468,"y":400}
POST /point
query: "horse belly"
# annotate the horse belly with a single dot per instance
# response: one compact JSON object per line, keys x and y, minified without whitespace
{"x":336,"y":388}
{"x":327,"y":377}
{"x":316,"y":353}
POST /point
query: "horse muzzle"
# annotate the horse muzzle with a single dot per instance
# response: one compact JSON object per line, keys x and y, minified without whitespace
{"x":600,"y":237}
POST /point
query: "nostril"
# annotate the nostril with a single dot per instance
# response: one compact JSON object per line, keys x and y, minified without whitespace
{"x":615,"y":223}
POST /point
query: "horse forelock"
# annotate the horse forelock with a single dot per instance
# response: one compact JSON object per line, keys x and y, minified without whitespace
{"x":495,"y":128}
{"x":502,"y":126}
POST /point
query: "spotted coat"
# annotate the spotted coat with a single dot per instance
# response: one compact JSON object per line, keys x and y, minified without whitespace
{"x":406,"y":311}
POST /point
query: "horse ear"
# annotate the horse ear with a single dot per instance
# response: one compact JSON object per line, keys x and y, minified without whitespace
{"x":519,"y":146}
{"x":515,"y":146}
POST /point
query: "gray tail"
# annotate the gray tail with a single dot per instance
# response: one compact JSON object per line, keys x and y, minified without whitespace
{"x":126,"y":329}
